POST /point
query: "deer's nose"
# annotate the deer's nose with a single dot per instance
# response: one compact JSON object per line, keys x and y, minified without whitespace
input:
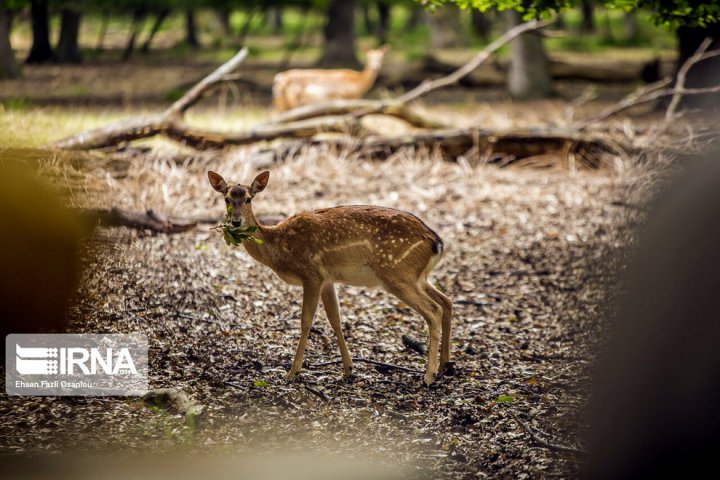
{"x":236,"y":223}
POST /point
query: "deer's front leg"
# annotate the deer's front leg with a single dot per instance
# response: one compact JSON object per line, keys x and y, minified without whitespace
{"x":311,"y":295}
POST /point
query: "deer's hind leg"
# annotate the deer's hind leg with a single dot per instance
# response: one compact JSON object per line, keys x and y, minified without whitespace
{"x":447,"y":311}
{"x":420,"y":301}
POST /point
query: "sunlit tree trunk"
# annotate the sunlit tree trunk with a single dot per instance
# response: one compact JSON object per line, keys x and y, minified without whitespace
{"x":339,"y":32}
{"x":529,"y":75}
{"x":41,"y":51}
{"x":68,"y":49}
{"x":8,"y":66}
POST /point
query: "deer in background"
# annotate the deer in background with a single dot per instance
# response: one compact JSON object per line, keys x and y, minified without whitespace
{"x":357,"y":245}
{"x":294,"y":88}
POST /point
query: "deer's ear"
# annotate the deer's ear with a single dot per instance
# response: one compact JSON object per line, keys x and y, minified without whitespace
{"x":217,"y":182}
{"x":260,"y":182}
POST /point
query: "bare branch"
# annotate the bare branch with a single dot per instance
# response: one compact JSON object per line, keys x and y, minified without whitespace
{"x":633,"y":99}
{"x":195,"y":93}
{"x":700,"y":55}
{"x":478,"y":60}
{"x":144,"y":127}
{"x":389,"y":366}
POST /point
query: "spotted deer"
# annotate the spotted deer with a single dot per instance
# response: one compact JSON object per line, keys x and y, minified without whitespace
{"x":357,"y":245}
{"x":297,"y":87}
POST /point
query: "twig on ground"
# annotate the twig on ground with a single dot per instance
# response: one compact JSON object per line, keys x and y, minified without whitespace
{"x":317,"y":392}
{"x":414,"y":344}
{"x":545,"y":443}
{"x":235,"y":384}
{"x":371,"y":362}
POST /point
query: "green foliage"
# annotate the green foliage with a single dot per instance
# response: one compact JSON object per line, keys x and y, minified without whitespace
{"x":260,"y":384}
{"x":668,"y":12}
{"x":235,"y":235}
{"x":505,"y":399}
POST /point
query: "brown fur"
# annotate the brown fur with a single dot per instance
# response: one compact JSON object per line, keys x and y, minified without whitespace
{"x":297,"y":87}
{"x":356,"y":245}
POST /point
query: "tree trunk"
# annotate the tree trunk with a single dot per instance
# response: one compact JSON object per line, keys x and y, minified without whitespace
{"x":41,"y":51}
{"x":367,"y":18}
{"x":339,"y":33}
{"x":276,"y":20}
{"x":383,"y":8}
{"x":138,"y":20}
{"x":8,"y":66}
{"x":159,"y":20}
{"x":446,"y":28}
{"x":587,"y":24}
{"x":104,"y":22}
{"x":631,"y":26}
{"x":705,"y":73}
{"x":481,"y":24}
{"x":68,"y":49}
{"x":529,"y":75}
{"x":191,"y":37}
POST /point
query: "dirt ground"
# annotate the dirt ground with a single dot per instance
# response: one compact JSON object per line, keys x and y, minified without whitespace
{"x":530,"y":258}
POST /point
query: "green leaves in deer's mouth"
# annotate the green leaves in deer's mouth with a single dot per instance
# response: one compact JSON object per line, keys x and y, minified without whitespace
{"x":235,"y":235}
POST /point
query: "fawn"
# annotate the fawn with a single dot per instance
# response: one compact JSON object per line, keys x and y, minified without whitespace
{"x":297,"y":87}
{"x":356,"y":245}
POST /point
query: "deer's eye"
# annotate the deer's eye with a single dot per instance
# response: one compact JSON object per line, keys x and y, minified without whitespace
{"x":227,"y":202}
{"x":248,"y":200}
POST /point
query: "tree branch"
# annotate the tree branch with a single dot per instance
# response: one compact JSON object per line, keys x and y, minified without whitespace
{"x":700,"y":55}
{"x":148,"y":126}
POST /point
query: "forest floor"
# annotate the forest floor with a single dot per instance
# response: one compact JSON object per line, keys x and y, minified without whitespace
{"x":530,"y":256}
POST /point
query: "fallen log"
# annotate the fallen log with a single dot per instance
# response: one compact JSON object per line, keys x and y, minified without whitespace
{"x":154,"y":221}
{"x":147,"y":220}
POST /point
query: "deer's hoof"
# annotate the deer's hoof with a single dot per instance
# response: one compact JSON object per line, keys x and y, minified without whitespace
{"x":430,"y":378}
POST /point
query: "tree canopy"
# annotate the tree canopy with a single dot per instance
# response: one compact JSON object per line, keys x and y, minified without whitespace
{"x":669,"y":12}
